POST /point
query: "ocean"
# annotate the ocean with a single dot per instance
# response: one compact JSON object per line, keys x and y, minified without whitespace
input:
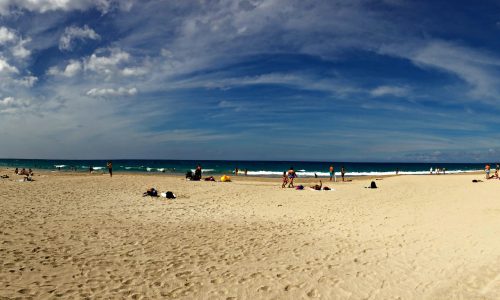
{"x":254,"y":168}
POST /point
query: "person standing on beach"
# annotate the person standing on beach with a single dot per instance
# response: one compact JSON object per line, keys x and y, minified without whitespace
{"x":487,"y":169}
{"x":342,"y":172}
{"x":285,"y":180}
{"x":246,"y":171}
{"x":397,"y":171}
{"x":497,"y":169}
{"x":110,"y":168}
{"x":236,"y":171}
{"x":291,"y":176}
{"x":332,"y":172}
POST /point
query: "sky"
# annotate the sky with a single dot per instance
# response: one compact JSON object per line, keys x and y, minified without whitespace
{"x":335,"y":80}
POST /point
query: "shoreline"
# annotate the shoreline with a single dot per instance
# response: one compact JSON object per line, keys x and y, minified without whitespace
{"x":8,"y":170}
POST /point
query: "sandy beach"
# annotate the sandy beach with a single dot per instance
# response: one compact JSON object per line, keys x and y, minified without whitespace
{"x":91,"y":236}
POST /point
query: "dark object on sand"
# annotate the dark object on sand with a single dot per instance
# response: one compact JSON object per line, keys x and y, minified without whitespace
{"x":196,"y":176}
{"x":150,"y":192}
{"x":170,"y":195}
{"x":373,"y":185}
{"x":476,"y":180}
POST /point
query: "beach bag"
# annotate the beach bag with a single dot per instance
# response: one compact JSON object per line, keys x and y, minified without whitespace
{"x":225,"y":178}
{"x":170,"y":195}
{"x":300,"y":187}
{"x":373,"y":185}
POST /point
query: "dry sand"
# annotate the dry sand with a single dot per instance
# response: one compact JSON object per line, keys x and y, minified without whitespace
{"x":91,"y":236}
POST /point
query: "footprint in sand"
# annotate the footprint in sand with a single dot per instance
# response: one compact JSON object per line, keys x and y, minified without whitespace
{"x":264,"y":289}
{"x":313,"y":293}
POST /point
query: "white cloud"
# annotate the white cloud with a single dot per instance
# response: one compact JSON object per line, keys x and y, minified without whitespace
{"x":106,"y":64}
{"x":72,"y":68}
{"x":134,"y":71}
{"x":75,"y":33}
{"x":110,"y":92}
{"x":472,"y":66}
{"x":6,"y":67}
{"x":28,"y":81}
{"x":6,"y":35}
{"x":19,"y":50}
{"x":42,"y":6}
{"x":13,"y":105}
{"x":395,"y":91}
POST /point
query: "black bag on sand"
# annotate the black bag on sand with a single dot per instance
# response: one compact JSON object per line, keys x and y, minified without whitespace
{"x":170,"y":195}
{"x":373,"y":185}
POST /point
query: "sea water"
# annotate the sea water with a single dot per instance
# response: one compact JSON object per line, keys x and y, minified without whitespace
{"x":254,"y":168}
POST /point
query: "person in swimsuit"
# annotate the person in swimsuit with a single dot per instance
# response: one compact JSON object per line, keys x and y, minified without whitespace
{"x":332,"y":172}
{"x":342,"y":172}
{"x":487,"y":169}
{"x":291,"y":175}
{"x":285,"y":180}
{"x":317,"y":187}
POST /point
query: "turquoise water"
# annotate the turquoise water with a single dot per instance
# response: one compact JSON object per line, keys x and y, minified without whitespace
{"x":255,"y":168}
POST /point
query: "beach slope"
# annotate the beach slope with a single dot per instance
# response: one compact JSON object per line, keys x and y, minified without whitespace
{"x":92,"y":236}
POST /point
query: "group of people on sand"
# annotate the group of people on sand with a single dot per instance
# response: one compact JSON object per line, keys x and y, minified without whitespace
{"x":333,"y":175}
{"x":109,"y":165}
{"x":23,"y":172}
{"x":437,"y":171}
{"x":237,"y":170}
{"x":28,"y":175}
{"x":290,"y":175}
{"x":487,"y":170}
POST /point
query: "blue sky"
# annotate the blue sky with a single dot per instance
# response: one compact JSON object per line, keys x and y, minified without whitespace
{"x":337,"y":80}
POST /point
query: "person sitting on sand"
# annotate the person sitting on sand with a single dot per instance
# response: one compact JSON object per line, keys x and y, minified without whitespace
{"x":317,"y":187}
{"x":197,"y":173}
{"x":497,"y":169}
{"x":285,"y":180}
{"x":291,"y":176}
